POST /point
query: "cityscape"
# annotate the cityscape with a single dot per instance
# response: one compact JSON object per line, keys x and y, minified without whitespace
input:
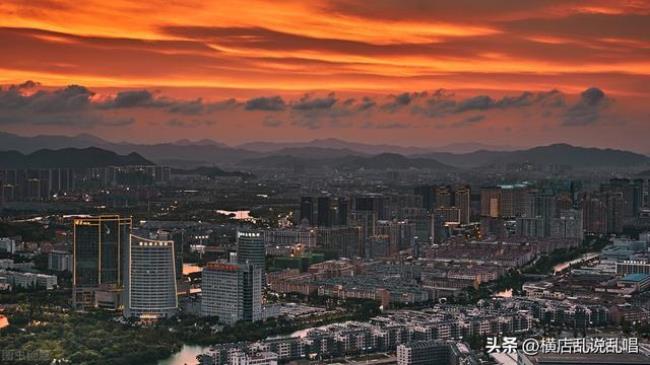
{"x":327,"y":182}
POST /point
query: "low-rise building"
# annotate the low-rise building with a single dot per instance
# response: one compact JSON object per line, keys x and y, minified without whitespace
{"x":29,"y":280}
{"x":7,"y":245}
{"x":60,"y":261}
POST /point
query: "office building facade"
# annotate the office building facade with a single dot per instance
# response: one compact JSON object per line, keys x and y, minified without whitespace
{"x":150,"y":289}
{"x":232,"y":292}
{"x":99,"y":244}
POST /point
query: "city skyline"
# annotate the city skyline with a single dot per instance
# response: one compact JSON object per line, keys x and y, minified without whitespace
{"x":411,"y":74}
{"x":414,"y":182}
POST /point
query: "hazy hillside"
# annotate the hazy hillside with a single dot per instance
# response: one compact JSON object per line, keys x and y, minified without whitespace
{"x":69,"y":157}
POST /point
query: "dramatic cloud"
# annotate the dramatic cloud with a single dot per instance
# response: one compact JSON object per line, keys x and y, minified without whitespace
{"x":322,"y":68}
{"x":133,"y":99}
{"x":400,"y":100}
{"x":366,"y":103}
{"x":273,"y":103}
{"x":78,"y":107}
{"x":309,"y":102}
{"x":588,"y":109}
{"x":74,"y":105}
{"x":198,"y":106}
{"x":442,"y":102}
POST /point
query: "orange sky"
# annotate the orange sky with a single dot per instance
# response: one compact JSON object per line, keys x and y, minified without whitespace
{"x":336,"y":68}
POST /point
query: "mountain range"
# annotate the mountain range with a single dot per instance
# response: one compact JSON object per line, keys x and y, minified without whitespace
{"x":332,"y":152}
{"x":69,"y":157}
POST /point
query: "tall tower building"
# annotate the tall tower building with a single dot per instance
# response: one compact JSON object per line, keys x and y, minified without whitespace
{"x":491,"y":202}
{"x":568,"y":224}
{"x":99,"y":244}
{"x":443,"y":196}
{"x":462,"y":197}
{"x":594,"y":213}
{"x":324,"y":212}
{"x":150,"y":280}
{"x":342,"y":212}
{"x":307,"y":210}
{"x":428,"y":194}
{"x":233,"y":292}
{"x":615,"y":203}
{"x":545,"y":207}
{"x":250,"y":248}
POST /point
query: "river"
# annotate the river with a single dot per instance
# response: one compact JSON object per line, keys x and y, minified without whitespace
{"x":186,"y":356}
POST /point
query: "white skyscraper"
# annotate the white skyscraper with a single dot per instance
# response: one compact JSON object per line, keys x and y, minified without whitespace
{"x":150,"y":285}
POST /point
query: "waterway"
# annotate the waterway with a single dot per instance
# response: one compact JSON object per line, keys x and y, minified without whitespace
{"x":186,"y":356}
{"x":237,"y":214}
{"x":561,"y":267}
{"x":188,"y":353}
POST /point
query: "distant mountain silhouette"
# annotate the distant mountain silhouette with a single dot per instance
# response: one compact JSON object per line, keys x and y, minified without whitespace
{"x":202,"y":142}
{"x":333,"y":143}
{"x":556,"y":154}
{"x":206,"y":152}
{"x":181,"y":154}
{"x":12,"y":142}
{"x":69,"y":157}
{"x":316,"y":152}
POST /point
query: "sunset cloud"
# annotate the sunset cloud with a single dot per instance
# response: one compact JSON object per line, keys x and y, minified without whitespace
{"x":546,"y":71}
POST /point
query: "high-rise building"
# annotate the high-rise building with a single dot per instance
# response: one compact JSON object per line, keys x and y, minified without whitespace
{"x":150,"y":279}
{"x":491,"y":202}
{"x":324,"y":212}
{"x":530,"y":227}
{"x":493,"y":227}
{"x":99,"y":244}
{"x":428,"y":194}
{"x":400,"y":235}
{"x":232,"y":292}
{"x":342,"y":212}
{"x":513,"y":200}
{"x":444,"y":197}
{"x":250,"y":248}
{"x":307,"y":210}
{"x":545,"y":207}
{"x":424,"y":226}
{"x":345,"y":240}
{"x":440,"y":230}
{"x":615,"y":203}
{"x":451,"y":215}
{"x":367,"y":220}
{"x":631,"y":195}
{"x":594,"y":213}
{"x":462,"y":198}
{"x":568,"y":224}
{"x":370,"y":203}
